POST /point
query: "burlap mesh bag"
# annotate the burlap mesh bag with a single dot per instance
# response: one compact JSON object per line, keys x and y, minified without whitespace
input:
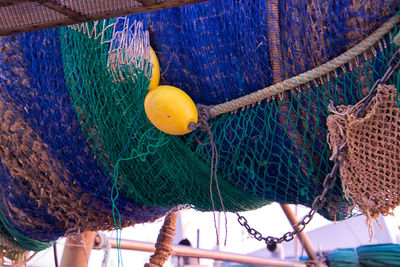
{"x":370,"y":171}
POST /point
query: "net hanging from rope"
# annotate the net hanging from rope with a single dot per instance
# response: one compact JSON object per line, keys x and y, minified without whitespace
{"x":273,"y":151}
{"x":76,"y":143}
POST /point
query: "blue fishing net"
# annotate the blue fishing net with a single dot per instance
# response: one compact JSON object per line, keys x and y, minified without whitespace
{"x":34,"y":90}
{"x":69,"y":117}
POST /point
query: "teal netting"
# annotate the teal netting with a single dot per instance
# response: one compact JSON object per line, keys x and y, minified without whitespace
{"x":152,"y":167}
{"x":382,"y":255}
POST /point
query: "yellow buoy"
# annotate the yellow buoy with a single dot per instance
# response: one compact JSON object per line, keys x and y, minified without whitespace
{"x":155,"y":77}
{"x":170,"y":109}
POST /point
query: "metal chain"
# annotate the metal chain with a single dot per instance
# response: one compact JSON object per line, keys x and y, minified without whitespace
{"x":318,"y":203}
{"x":330,"y":179}
{"x":393,"y":65}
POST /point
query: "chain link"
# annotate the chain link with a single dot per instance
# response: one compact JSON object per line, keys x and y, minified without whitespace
{"x":330,"y":179}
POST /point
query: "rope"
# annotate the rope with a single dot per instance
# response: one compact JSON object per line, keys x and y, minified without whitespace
{"x":274,"y":40}
{"x":164,"y":242}
{"x":204,"y":116}
{"x":107,"y":249}
{"x":308,"y":76}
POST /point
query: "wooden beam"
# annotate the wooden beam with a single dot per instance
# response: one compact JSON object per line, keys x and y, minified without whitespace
{"x":36,"y":27}
{"x":13,"y":2}
{"x":302,"y":236}
{"x":147,"y":6}
{"x":148,"y":2}
{"x":77,"y":250}
{"x":73,"y":15}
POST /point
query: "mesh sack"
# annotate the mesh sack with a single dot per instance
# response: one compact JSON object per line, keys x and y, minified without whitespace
{"x":370,"y":171}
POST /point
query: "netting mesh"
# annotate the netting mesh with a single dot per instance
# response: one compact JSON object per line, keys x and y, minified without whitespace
{"x":370,"y":172}
{"x":74,"y":126}
{"x":124,"y":141}
{"x":313,"y":33}
{"x":274,"y":151}
{"x":220,"y":49}
{"x":366,"y":256}
{"x":49,"y":176}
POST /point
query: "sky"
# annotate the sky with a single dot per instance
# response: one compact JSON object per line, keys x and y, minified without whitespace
{"x":269,"y":220}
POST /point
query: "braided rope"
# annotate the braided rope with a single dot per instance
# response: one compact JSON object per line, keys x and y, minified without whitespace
{"x":164,"y":242}
{"x":308,"y":76}
{"x":274,"y":40}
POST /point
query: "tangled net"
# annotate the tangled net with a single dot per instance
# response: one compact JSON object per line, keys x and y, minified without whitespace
{"x":78,"y":153}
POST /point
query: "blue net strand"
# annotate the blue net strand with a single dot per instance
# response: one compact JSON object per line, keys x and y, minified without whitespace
{"x":220,"y":51}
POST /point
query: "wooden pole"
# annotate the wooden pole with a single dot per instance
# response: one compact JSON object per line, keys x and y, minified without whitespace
{"x":302,"y":236}
{"x":296,"y":238}
{"x":77,"y":250}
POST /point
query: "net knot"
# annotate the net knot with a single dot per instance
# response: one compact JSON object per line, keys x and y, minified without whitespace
{"x":204,"y":116}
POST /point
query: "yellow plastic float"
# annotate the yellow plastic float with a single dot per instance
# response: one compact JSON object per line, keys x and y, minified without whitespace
{"x":155,"y":77}
{"x":170,"y":109}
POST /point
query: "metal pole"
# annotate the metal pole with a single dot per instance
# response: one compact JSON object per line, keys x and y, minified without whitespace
{"x":302,"y":236}
{"x":198,"y":238}
{"x":202,"y":253}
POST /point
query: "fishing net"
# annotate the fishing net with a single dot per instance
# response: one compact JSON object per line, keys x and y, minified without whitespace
{"x":49,"y":177}
{"x":369,"y":256}
{"x":79,"y":153}
{"x":108,"y":91}
{"x":370,"y":171}
{"x":345,"y":257}
{"x":272,"y":151}
{"x":379,"y":255}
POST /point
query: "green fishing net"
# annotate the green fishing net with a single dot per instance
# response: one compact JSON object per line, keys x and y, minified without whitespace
{"x":151,"y":167}
{"x":274,"y":150}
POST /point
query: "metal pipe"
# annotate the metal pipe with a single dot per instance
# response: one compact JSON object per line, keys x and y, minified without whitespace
{"x":200,"y":253}
{"x":302,"y":236}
